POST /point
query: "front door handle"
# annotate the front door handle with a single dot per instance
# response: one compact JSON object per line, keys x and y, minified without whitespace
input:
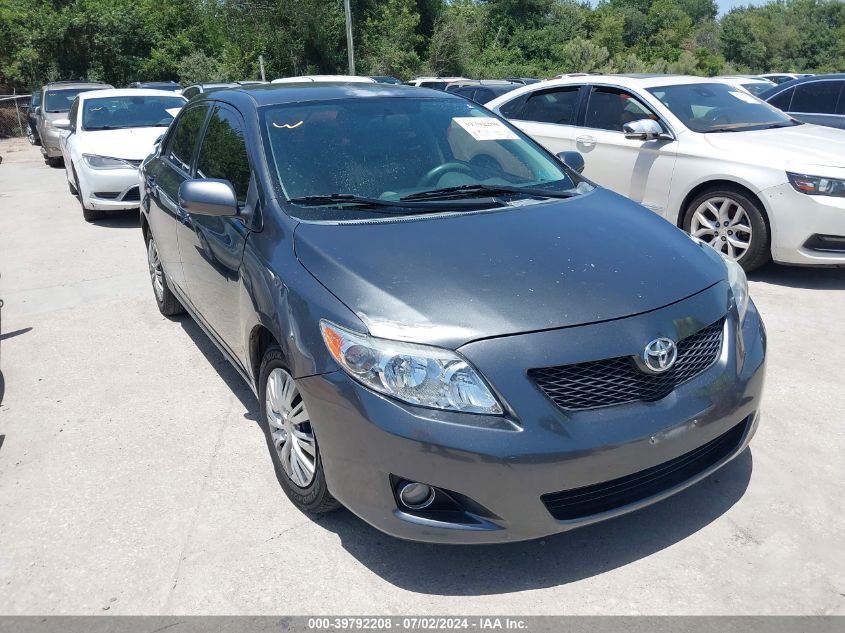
{"x":586,"y":140}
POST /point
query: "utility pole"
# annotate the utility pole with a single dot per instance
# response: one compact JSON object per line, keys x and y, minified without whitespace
{"x":350,"y":49}
{"x":261,"y":65}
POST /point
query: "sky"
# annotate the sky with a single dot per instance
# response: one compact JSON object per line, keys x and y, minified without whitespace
{"x":727,"y":5}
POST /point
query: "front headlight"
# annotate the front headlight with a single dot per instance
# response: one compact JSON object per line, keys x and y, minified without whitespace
{"x":417,"y":374}
{"x":95,"y":161}
{"x":817,"y":185}
{"x":739,"y":285}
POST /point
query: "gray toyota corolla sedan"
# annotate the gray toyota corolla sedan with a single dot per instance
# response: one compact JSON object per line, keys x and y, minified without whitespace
{"x":450,"y":331}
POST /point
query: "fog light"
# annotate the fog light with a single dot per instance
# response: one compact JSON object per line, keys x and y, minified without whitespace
{"x":416,"y":496}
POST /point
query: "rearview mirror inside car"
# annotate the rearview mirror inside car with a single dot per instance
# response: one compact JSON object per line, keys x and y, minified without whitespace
{"x":208,"y":196}
{"x":573,"y":160}
{"x":643,"y":130}
{"x":61,"y":124}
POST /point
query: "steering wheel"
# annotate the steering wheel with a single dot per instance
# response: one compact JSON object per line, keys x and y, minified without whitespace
{"x":435,"y":173}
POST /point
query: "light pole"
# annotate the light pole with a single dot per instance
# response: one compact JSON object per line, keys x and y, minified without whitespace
{"x":350,"y":48}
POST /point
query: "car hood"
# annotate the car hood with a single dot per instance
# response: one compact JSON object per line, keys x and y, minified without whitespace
{"x":130,"y":144}
{"x":790,"y":147}
{"x":449,"y":280}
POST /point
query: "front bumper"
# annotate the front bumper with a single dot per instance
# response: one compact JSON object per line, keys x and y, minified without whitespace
{"x":505,"y":465}
{"x":796,"y":218}
{"x":122,"y":184}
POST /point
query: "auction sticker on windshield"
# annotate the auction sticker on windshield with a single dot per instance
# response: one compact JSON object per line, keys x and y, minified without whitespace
{"x":485,"y":128}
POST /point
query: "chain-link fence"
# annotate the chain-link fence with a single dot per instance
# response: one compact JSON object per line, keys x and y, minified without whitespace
{"x":14,"y":110}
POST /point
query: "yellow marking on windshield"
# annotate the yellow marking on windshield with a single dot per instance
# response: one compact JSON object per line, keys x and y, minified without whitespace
{"x":288,"y":126}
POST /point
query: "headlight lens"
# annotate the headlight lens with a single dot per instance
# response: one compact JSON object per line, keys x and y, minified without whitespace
{"x":739,"y":285}
{"x":95,"y":161}
{"x":417,"y":374}
{"x":817,"y":185}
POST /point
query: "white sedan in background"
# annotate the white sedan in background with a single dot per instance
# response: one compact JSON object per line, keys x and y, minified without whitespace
{"x":728,"y":168}
{"x":753,"y":85}
{"x":104,"y":139}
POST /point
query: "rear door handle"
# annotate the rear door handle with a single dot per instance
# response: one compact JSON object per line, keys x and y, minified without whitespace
{"x":586,"y":140}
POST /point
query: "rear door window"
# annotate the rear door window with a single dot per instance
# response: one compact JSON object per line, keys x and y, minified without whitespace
{"x":816,"y":97}
{"x":559,"y":106}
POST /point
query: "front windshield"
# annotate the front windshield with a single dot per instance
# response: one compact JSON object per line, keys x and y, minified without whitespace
{"x":111,"y":113}
{"x":60,"y":100}
{"x":392,"y":148}
{"x":716,"y":107}
{"x":35,"y":99}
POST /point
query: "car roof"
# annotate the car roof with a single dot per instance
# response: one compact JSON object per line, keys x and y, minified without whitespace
{"x":637,"y":80}
{"x":484,"y":82}
{"x":323,"y":79}
{"x":73,"y":84}
{"x":778,"y":88}
{"x":749,"y":78}
{"x":128,"y":92}
{"x":285,"y":93}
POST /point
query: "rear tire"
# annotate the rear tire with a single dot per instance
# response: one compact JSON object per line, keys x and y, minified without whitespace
{"x":288,"y":431}
{"x":732,"y":222}
{"x":166,"y":301}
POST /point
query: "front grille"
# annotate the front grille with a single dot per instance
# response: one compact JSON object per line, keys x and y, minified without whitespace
{"x":579,"y":503}
{"x":107,"y":195}
{"x":132,"y":194}
{"x":614,"y":381}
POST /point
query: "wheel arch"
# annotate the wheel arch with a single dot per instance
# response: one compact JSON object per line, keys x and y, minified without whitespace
{"x":722,"y":184}
{"x":260,"y":340}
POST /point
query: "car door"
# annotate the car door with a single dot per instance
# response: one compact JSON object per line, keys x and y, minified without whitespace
{"x":548,"y":116}
{"x":818,"y":102}
{"x":212,"y":247}
{"x":162,"y":178}
{"x":640,"y":170}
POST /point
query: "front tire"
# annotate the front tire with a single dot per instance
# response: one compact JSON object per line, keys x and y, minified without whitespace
{"x":290,"y":437}
{"x":731,"y":222}
{"x":55,"y":162}
{"x":166,"y":301}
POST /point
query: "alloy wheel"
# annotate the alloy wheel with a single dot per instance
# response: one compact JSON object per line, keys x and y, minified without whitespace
{"x":156,"y":272}
{"x":724,"y":224}
{"x":290,"y":428}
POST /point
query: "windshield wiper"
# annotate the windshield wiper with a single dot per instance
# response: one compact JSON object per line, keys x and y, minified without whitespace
{"x":461,"y":191}
{"x":348,"y":199}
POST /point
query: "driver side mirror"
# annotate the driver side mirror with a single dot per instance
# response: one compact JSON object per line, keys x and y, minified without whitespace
{"x":573,"y":160}
{"x":208,"y":196}
{"x":37,"y":110}
{"x":61,"y":124}
{"x":643,"y":130}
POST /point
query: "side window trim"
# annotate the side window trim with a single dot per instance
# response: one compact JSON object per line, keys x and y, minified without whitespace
{"x":592,"y":88}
